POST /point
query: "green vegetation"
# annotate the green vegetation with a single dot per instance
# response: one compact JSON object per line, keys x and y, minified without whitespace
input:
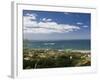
{"x":49,"y":58}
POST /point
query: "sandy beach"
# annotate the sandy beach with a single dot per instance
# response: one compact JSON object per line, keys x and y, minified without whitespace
{"x":82,"y":51}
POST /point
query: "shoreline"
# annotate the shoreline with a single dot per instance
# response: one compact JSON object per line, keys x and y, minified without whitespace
{"x":82,"y":51}
{"x":60,"y":50}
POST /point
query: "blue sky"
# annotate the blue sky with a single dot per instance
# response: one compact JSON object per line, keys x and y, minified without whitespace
{"x":48,"y":25}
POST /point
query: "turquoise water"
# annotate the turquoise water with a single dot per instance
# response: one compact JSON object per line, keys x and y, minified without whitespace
{"x":59,"y":44}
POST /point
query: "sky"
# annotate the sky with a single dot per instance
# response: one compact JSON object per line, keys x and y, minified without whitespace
{"x":49,"y":25}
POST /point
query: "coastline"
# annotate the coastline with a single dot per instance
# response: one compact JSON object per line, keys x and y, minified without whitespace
{"x":82,"y":51}
{"x":60,"y":50}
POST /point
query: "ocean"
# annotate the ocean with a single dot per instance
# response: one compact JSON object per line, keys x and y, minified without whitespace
{"x":59,"y":44}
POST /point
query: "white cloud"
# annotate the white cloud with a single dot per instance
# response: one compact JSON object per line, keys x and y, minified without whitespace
{"x":79,"y":23}
{"x":46,"y":26}
{"x":49,"y":19}
{"x":85,"y":26}
{"x":30,"y":20}
{"x":46,"y":19}
{"x":43,"y":19}
{"x":66,"y":13}
{"x":31,"y":15}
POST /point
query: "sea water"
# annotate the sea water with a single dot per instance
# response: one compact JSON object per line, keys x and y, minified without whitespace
{"x":59,"y":44}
